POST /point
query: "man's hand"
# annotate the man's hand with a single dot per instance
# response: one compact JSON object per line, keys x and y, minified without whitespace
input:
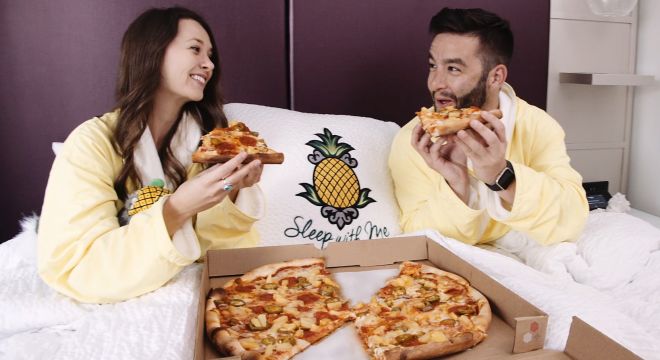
{"x":445,"y":157}
{"x":485,"y":147}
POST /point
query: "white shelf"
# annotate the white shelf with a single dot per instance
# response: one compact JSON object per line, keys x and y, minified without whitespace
{"x":605,"y":79}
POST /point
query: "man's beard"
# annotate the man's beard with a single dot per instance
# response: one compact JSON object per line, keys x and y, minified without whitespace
{"x":476,"y":96}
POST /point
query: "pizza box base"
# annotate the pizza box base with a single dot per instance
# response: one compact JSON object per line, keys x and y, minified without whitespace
{"x":509,"y":335}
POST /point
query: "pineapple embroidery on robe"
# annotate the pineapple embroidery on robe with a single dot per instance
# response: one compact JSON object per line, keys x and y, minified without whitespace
{"x":336,"y":188}
{"x":146,"y":196}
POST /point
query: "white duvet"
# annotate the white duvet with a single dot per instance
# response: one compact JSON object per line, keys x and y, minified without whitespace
{"x":610,"y":278}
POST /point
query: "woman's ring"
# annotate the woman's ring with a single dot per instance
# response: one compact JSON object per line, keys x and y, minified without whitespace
{"x":227,"y":186}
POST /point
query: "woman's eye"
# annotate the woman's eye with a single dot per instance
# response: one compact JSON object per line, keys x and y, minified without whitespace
{"x":195,"y":48}
{"x":432,"y":66}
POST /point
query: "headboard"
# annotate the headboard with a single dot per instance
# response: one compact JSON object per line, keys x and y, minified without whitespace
{"x":363,"y":58}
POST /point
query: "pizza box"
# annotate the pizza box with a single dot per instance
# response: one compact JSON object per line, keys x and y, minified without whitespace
{"x":585,"y":342}
{"x":517,"y":330}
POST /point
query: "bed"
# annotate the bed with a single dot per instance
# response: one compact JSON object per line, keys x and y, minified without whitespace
{"x":609,"y":278}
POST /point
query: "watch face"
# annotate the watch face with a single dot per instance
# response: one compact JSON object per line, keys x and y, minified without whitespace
{"x":506,"y":178}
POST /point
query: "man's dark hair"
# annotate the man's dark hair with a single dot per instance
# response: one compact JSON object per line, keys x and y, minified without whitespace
{"x":494,"y":33}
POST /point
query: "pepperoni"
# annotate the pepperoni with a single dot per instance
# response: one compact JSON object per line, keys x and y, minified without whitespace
{"x":292,"y":281}
{"x":248,"y":140}
{"x":387,"y":290}
{"x":344,"y":306}
{"x":311,"y":336}
{"x":396,"y":318}
{"x":308,"y":298}
{"x":265,"y":297}
{"x":463,"y":310}
{"x":455,"y":291}
{"x":257,"y":309}
{"x":244,"y":288}
{"x":304,"y":308}
{"x":393,"y":322}
{"x":411,"y":342}
{"x":225,"y":147}
{"x":366,"y":330}
{"x":430,"y":279}
{"x":324,"y":315}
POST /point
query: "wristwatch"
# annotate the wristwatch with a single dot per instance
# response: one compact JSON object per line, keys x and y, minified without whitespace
{"x":504,"y":179}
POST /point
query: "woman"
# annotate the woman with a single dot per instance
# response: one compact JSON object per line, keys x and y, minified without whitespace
{"x":168,"y":95}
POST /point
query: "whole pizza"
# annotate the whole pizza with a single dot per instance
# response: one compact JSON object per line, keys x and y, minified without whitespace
{"x":278,"y":310}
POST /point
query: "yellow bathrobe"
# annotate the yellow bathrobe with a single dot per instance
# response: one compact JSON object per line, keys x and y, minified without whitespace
{"x":83,"y":251}
{"x":550,"y":204}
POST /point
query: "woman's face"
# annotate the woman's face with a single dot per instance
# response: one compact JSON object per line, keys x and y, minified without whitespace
{"x":187,"y":65}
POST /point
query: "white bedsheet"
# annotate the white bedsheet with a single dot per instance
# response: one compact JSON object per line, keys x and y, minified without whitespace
{"x":610,"y":278}
{"x":38,"y":323}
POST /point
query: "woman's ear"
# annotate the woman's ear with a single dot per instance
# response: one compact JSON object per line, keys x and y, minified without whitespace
{"x":497,"y":76}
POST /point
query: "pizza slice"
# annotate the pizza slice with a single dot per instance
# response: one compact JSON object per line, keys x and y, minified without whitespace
{"x":422,"y":313}
{"x":276,"y":311}
{"x":450,"y":120}
{"x":222,"y":144}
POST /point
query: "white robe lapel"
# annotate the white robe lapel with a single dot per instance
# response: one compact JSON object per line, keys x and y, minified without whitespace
{"x":149,"y":167}
{"x":481,"y":197}
{"x":184,"y":143}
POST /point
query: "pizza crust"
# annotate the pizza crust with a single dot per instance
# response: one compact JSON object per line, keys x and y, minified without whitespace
{"x":231,"y":346}
{"x":485,"y":316}
{"x":271,"y":269}
{"x":433,"y":270}
{"x":433,"y":350}
{"x":211,"y":157}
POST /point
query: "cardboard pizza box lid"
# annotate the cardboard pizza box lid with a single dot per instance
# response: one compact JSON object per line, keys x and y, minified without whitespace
{"x":585,"y":342}
{"x":518,"y":328}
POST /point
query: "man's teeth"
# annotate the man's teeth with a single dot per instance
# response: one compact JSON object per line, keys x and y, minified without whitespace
{"x":198,"y":78}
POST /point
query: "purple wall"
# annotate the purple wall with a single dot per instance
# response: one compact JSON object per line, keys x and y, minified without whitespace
{"x":59,"y":64}
{"x":366,"y":57}
{"x":369,"y":57}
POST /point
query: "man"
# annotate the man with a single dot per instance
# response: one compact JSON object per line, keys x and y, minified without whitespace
{"x":480,"y":183}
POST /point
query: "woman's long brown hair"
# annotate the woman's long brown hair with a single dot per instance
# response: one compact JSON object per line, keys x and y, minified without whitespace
{"x":142,"y":52}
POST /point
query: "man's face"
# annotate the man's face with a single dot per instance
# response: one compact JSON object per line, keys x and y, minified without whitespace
{"x":456,"y":74}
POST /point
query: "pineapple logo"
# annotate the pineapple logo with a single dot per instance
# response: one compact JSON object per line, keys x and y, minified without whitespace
{"x":336,"y":188}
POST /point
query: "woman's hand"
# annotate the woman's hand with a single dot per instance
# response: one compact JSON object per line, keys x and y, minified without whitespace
{"x":251,"y":178}
{"x":208,"y":189}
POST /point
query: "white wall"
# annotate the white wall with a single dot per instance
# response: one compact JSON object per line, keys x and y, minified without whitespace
{"x":644,"y":172}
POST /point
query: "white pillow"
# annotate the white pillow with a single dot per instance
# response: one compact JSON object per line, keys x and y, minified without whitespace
{"x":56,"y":146}
{"x":301,"y":209}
